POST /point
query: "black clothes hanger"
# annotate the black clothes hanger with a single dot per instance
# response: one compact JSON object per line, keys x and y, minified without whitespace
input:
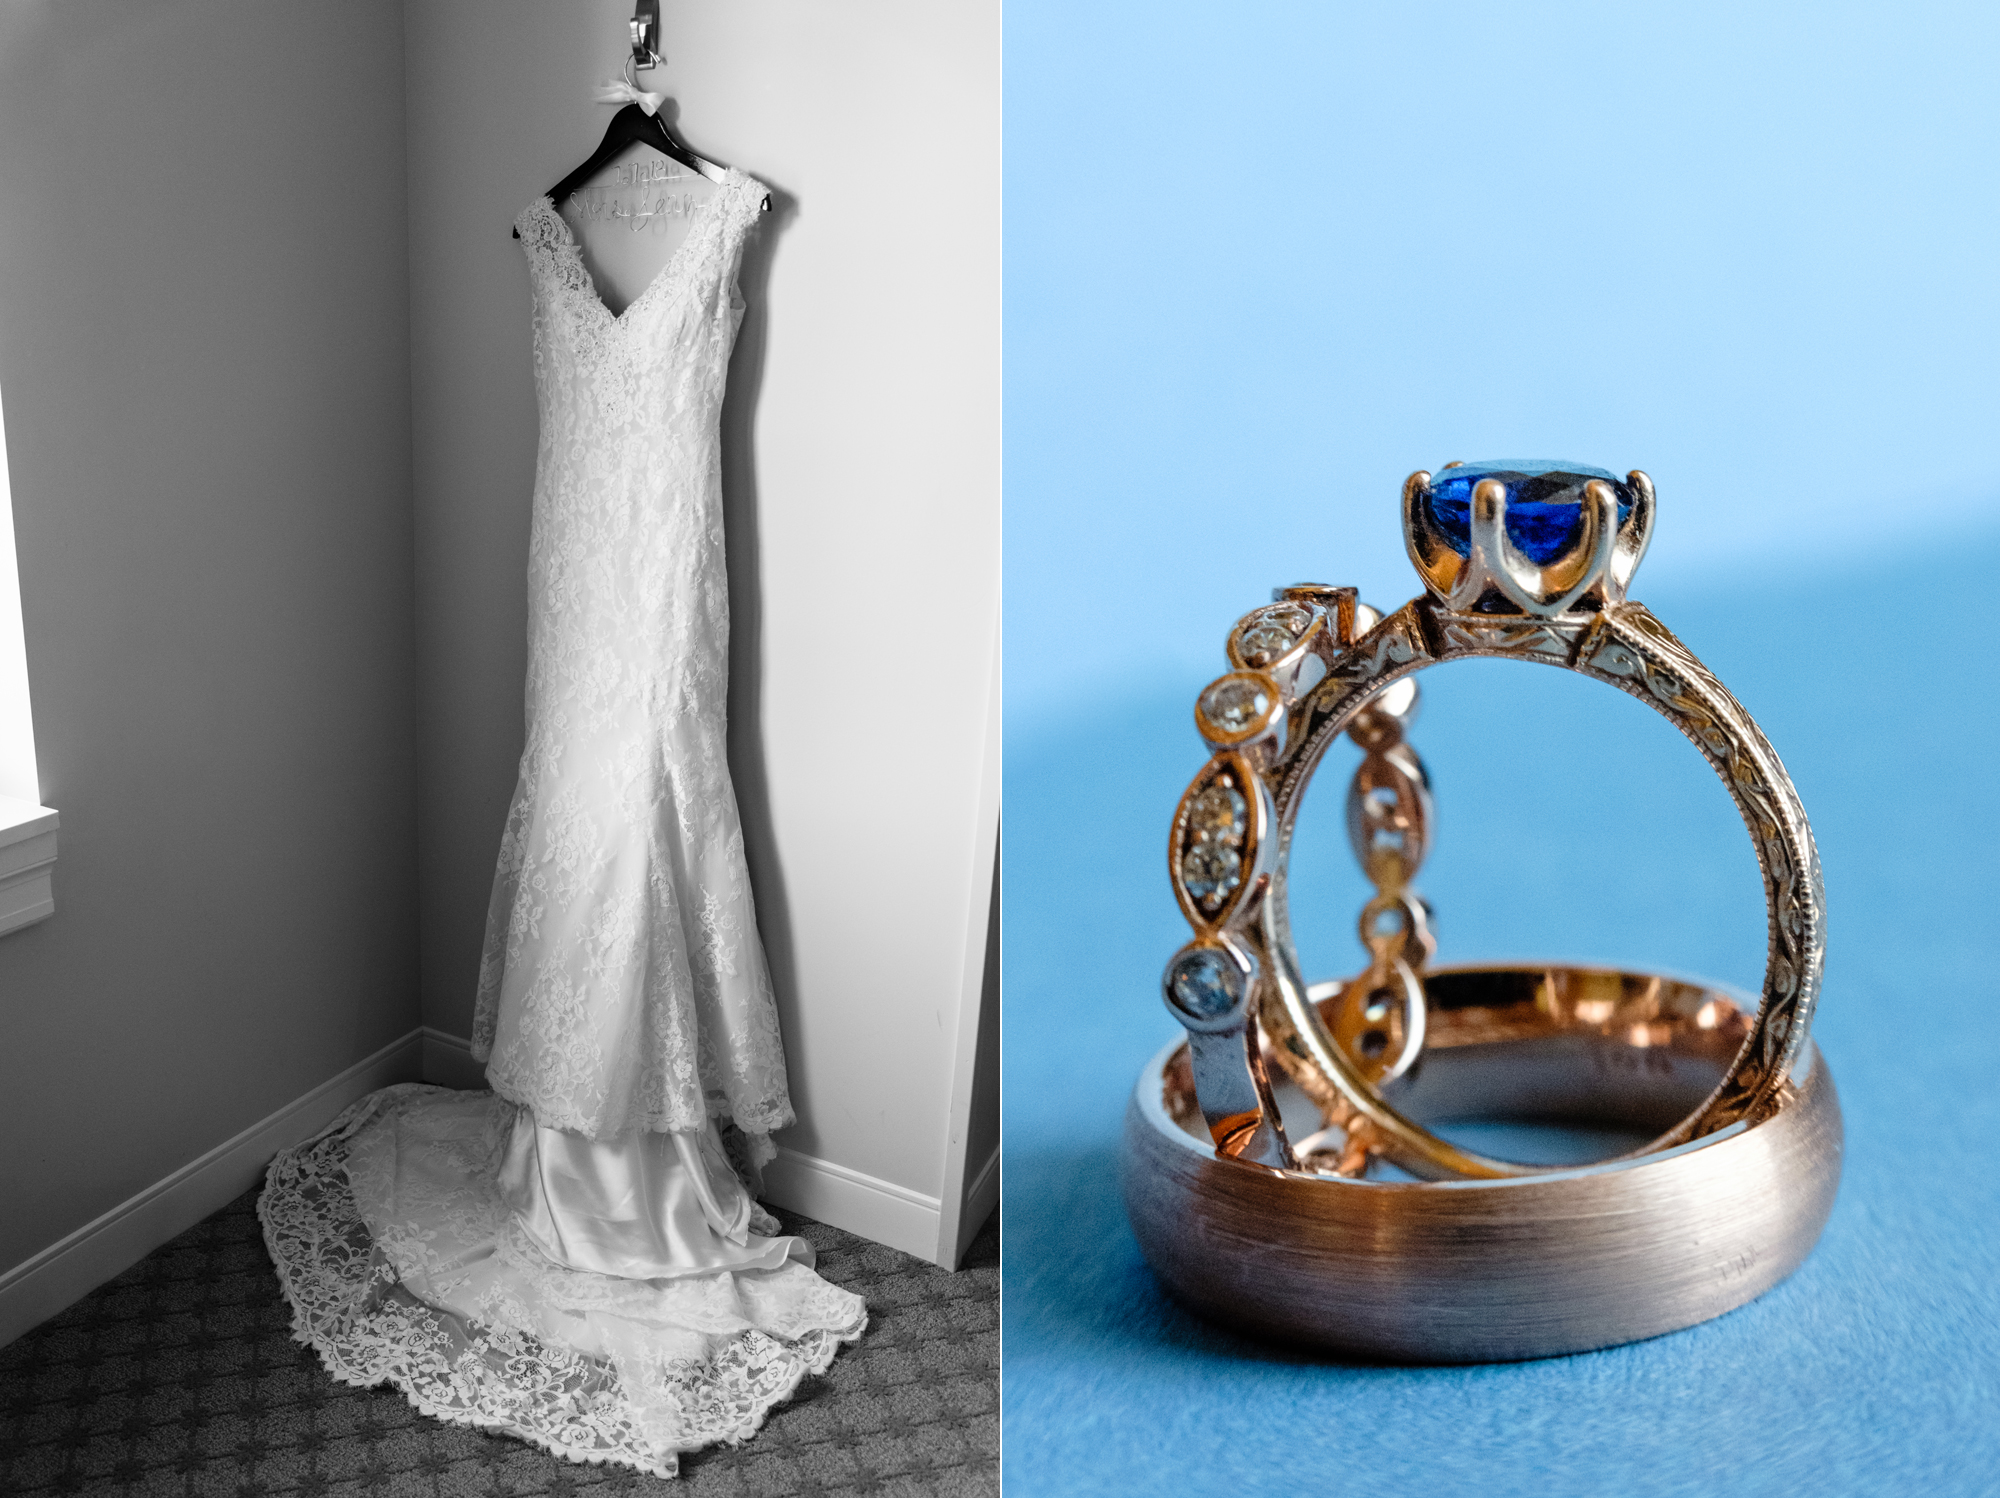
{"x":633,"y":126}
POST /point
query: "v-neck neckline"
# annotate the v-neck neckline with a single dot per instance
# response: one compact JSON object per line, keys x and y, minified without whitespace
{"x":697,"y":223}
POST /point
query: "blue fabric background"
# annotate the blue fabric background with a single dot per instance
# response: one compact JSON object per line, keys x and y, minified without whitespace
{"x":1750,"y":251}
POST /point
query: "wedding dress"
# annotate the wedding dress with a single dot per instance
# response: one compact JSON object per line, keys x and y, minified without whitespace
{"x":571,"y":1257}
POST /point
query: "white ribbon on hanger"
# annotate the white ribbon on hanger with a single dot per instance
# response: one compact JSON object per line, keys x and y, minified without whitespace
{"x":619,"y":91}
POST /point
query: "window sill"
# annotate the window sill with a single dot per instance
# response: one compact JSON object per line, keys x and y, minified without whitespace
{"x":27,"y":864}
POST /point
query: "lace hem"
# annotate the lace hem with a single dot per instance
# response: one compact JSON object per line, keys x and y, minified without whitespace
{"x":669,"y":1366}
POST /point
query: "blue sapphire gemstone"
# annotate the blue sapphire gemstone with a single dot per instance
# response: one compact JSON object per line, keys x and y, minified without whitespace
{"x":1544,"y":503}
{"x":1203,"y":983}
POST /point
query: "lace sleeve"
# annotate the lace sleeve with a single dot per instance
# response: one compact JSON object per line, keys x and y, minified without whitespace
{"x":740,"y":218}
{"x":541,"y":229}
{"x":551,"y":249}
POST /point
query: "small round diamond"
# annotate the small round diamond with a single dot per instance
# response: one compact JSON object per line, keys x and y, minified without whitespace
{"x":1265,"y":643}
{"x":1219,"y":815}
{"x":1204,"y":984}
{"x":1209,"y":871}
{"x":1289,"y":617}
{"x":1234,"y":703}
{"x":1269,"y":633}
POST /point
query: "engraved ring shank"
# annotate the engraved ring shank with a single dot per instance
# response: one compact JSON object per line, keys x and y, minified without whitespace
{"x":1494,"y":1269}
{"x":1627,"y":647}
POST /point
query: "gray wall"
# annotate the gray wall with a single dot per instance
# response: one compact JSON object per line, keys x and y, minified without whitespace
{"x":204,"y":352}
{"x":476,"y":160}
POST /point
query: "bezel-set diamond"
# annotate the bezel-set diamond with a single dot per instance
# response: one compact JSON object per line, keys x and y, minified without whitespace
{"x":1268,"y":634}
{"x":1208,"y":984}
{"x":1239,"y":703}
{"x":1218,"y":848}
{"x":1212,"y":862}
{"x":1241,"y":709}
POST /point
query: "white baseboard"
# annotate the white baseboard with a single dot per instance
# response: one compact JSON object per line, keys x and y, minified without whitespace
{"x":27,"y":864}
{"x":981,"y":1197}
{"x":27,"y":897}
{"x":448,"y":1062}
{"x":843,"y":1198}
{"x":65,"y":1272}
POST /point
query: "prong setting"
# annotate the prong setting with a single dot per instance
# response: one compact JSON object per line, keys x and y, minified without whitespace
{"x":1633,"y":537}
{"x":1480,"y":567}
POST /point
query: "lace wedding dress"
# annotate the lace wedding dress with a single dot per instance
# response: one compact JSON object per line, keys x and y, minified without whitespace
{"x":570,"y":1257}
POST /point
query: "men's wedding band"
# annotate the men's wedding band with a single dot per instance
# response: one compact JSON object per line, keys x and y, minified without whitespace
{"x":1511,"y":1267}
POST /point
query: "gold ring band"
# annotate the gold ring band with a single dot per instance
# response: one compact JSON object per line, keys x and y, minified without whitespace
{"x":1516,"y":1267}
{"x":1306,"y":670}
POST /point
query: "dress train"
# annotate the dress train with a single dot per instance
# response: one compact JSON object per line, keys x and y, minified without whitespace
{"x":412,"y":1238}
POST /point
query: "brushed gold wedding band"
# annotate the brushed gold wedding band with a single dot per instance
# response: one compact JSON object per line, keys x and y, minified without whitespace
{"x":1517,"y":1267}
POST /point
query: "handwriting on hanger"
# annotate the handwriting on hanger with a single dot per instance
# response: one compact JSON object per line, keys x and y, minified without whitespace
{"x":638,"y":211}
{"x":647,"y":173}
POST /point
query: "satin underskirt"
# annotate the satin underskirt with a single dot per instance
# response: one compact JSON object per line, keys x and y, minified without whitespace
{"x":643,"y":1206}
{"x":609,"y":1300}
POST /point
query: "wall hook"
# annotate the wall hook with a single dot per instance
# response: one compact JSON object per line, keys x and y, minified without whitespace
{"x":645,"y":34}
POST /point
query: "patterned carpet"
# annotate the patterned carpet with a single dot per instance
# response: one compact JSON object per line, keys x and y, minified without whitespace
{"x":180,"y":1379}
